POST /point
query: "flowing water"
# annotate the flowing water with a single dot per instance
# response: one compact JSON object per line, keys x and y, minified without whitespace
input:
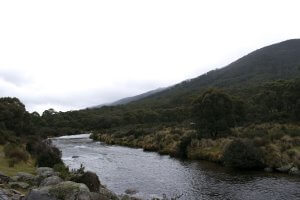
{"x":153,"y":175}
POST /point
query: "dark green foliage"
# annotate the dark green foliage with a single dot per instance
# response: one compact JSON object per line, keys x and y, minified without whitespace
{"x":214,"y":113}
{"x":183,"y":145}
{"x":90,"y":179}
{"x":15,"y":153}
{"x":242,"y":154}
{"x":49,"y":156}
{"x":14,"y":117}
{"x":63,"y":170}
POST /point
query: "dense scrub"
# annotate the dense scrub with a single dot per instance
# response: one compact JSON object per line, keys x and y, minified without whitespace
{"x":252,"y":147}
{"x":243,"y":154}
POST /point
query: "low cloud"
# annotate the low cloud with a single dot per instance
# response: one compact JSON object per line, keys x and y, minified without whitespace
{"x":15,"y":77}
{"x":36,"y":98}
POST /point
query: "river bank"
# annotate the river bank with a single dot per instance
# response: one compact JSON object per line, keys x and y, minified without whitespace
{"x":271,"y":147}
{"x":48,"y":184}
{"x":23,"y":179}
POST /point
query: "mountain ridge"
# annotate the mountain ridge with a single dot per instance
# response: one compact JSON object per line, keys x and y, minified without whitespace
{"x":277,"y":61}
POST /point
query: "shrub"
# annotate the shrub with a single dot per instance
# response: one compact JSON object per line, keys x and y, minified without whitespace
{"x":63,"y":170}
{"x":15,"y":153}
{"x":90,"y":179}
{"x":49,"y":157}
{"x":242,"y":154}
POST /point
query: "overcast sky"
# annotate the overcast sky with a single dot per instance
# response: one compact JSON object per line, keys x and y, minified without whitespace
{"x":73,"y":54}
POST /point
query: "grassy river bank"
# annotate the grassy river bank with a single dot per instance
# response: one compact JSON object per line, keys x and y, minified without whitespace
{"x":269,"y":146}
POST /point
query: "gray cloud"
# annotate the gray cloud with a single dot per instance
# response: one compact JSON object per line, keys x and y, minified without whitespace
{"x":15,"y":77}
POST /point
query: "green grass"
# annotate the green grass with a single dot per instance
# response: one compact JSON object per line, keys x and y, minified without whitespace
{"x":297,"y":148}
{"x":28,"y":167}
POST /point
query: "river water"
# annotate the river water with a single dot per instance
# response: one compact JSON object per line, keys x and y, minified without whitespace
{"x":152,"y":175}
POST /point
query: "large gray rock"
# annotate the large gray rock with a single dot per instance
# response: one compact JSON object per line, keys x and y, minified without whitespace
{"x":65,"y":190}
{"x":45,"y":172}
{"x":285,"y":168}
{"x":4,"y":194}
{"x":52,"y":180}
{"x":40,"y":194}
{"x":90,"y":179}
{"x":4,"y":178}
{"x":107,"y":194}
{"x":126,"y":197}
{"x":9,"y":194}
{"x":131,"y":191}
{"x":18,"y":185}
{"x":41,"y":170}
{"x":294,"y":171}
{"x":25,"y":177}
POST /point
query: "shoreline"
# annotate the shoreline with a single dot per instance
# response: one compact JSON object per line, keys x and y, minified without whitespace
{"x":194,"y":154}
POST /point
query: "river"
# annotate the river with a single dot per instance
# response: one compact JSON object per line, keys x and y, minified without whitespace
{"x":152,"y":175}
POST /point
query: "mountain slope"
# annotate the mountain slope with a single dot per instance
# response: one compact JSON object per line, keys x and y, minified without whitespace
{"x":131,"y":99}
{"x":137,"y":97}
{"x":277,"y":61}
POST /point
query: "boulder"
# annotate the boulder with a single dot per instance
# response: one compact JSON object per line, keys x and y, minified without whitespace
{"x":9,"y":194}
{"x":19,"y":185}
{"x":4,"y":194}
{"x":44,"y":172}
{"x":126,"y":197}
{"x":294,"y":171}
{"x":90,"y":179}
{"x":106,"y":194}
{"x":52,"y":180}
{"x":40,"y":194}
{"x":285,"y":168}
{"x":41,"y":170}
{"x":25,"y":177}
{"x":131,"y":191}
{"x":67,"y":190}
{"x":4,"y":178}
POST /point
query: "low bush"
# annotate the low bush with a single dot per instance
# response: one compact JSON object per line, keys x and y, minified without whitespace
{"x":49,"y":156}
{"x":15,"y":153}
{"x":63,"y":170}
{"x":45,"y":153}
{"x":90,"y":179}
{"x":242,"y":154}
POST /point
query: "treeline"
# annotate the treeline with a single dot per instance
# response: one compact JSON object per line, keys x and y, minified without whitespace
{"x":212,"y":113}
{"x":277,"y":101}
{"x":23,"y":135}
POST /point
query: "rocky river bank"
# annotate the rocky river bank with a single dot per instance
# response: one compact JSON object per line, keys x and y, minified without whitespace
{"x":48,"y":185}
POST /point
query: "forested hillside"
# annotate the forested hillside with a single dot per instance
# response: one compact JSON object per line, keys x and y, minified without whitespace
{"x":278,"y":61}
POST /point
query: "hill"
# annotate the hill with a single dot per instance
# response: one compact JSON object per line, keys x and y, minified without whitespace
{"x":131,"y":99}
{"x":277,"y":61}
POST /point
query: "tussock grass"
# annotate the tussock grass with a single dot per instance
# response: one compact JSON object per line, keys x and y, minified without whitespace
{"x":28,"y":166}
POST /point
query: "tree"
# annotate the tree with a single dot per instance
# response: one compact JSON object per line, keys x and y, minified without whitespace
{"x":214,"y":113}
{"x":13,"y":115}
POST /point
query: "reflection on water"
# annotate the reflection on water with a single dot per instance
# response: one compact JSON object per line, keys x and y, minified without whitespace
{"x":152,"y":175}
